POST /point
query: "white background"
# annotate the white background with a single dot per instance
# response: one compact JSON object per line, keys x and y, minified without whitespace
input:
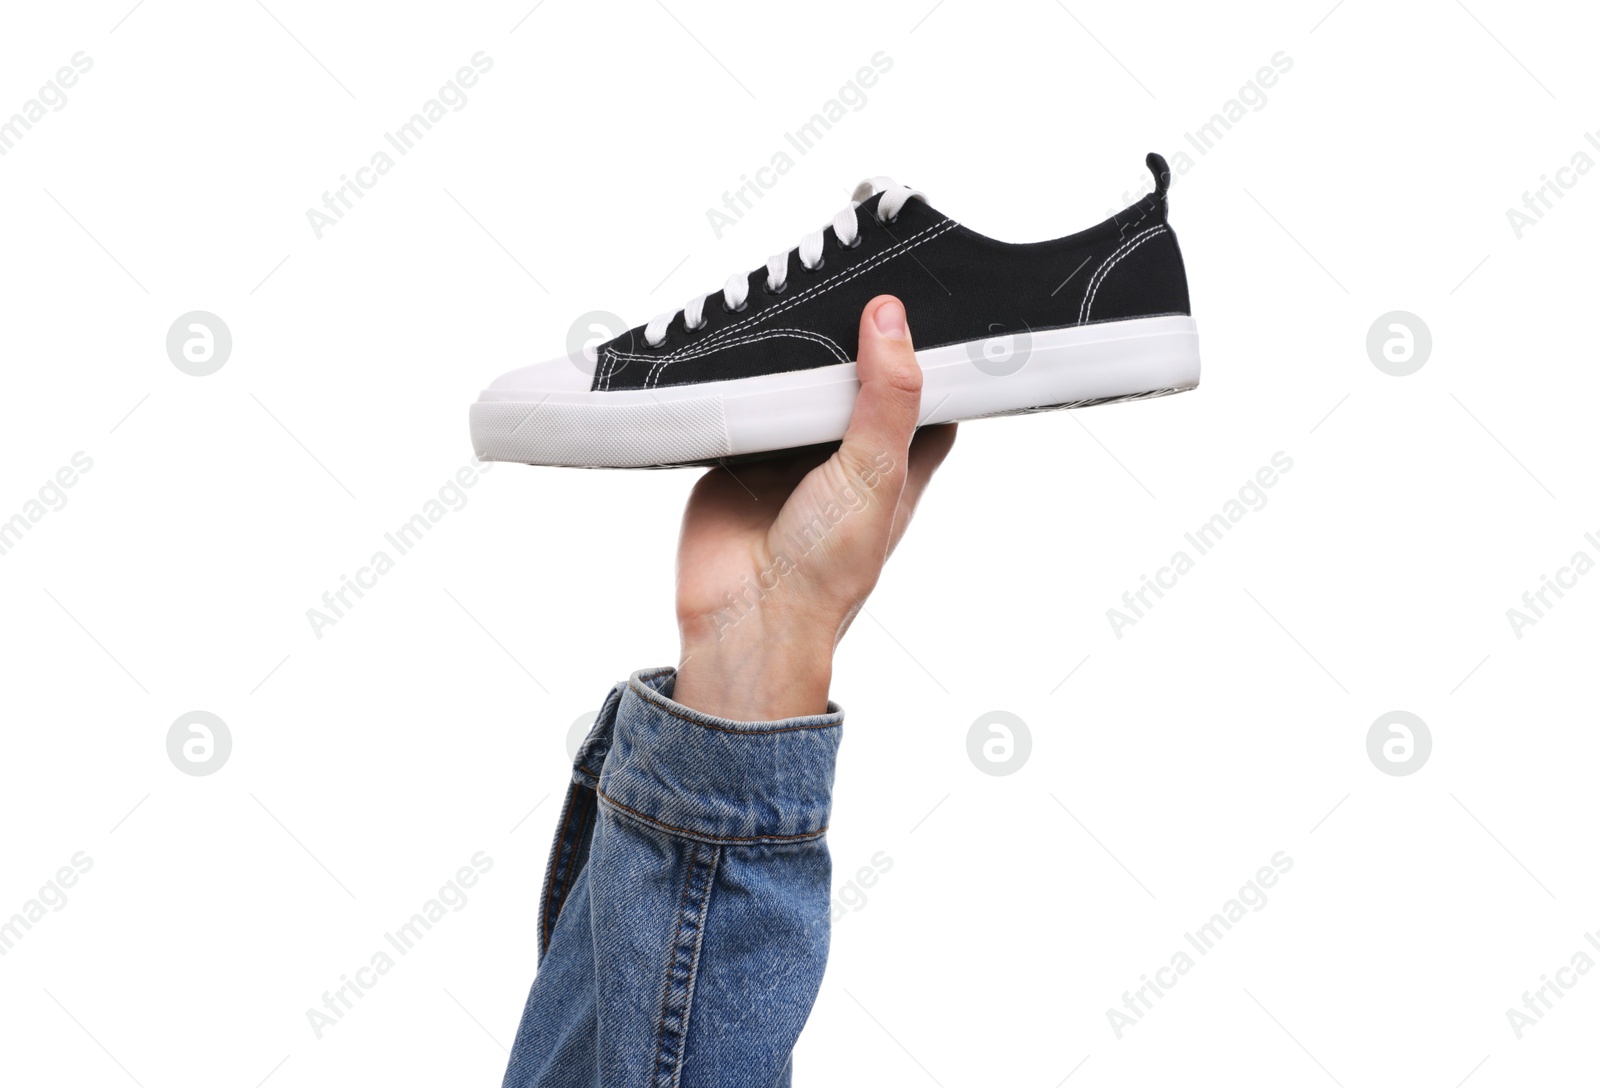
{"x":368,"y":765}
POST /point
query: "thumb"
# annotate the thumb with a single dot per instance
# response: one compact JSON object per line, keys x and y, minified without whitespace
{"x":885,"y":415}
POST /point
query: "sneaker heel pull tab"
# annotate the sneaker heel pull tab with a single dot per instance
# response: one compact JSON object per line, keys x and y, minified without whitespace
{"x":1163,"y":175}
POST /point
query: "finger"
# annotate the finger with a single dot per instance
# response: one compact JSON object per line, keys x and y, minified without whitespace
{"x":764,"y":482}
{"x":782,"y":472}
{"x":928,"y":450}
{"x":865,"y":476}
{"x":885,"y":415}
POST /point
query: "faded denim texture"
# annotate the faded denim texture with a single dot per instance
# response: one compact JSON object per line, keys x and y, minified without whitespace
{"x":683,"y":927}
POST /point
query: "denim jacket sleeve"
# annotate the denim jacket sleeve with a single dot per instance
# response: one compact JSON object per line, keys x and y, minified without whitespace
{"x":683,"y":927}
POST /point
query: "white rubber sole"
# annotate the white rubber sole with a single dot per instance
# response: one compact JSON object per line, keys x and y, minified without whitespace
{"x":547,"y":415}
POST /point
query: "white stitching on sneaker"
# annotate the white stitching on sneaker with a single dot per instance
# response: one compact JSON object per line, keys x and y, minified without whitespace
{"x":616,"y":359}
{"x":846,"y":228}
{"x":1096,"y":280}
{"x":892,"y":251}
{"x":614,"y":363}
{"x":694,"y":351}
{"x":805,"y":334}
{"x":1094,"y":277}
{"x":920,"y":238}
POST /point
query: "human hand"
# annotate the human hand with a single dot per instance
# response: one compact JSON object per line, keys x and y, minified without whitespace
{"x":774,"y":562}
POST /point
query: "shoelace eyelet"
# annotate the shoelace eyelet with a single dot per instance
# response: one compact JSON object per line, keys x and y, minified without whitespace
{"x":778,"y":290}
{"x":730,"y":310}
{"x":852,"y":245}
{"x":816,"y":267}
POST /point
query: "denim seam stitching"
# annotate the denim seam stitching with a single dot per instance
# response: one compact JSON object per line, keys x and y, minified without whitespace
{"x":585,"y":824}
{"x":669,"y":1067}
{"x":677,"y":936}
{"x":550,"y":877}
{"x":708,"y":836}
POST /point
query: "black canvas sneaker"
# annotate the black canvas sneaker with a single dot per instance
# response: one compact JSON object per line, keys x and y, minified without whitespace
{"x":767,"y":363}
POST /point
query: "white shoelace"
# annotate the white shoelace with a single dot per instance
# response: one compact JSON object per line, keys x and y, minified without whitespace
{"x":845,"y":226}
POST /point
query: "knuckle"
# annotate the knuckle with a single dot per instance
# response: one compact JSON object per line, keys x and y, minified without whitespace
{"x":904,"y":376}
{"x":867,"y":466}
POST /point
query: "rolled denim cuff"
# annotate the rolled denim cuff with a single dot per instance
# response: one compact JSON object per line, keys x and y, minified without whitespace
{"x":710,"y":779}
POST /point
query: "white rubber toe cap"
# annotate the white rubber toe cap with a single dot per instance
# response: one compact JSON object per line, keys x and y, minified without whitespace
{"x":553,"y":376}
{"x":546,"y":414}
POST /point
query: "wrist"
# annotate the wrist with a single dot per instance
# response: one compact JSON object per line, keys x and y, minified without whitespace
{"x":755,"y":678}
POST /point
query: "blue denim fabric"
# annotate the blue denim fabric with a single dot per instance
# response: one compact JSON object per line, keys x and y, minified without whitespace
{"x":684,"y":923}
